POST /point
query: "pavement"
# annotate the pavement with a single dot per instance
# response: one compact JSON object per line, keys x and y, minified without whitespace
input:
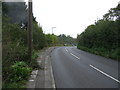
{"x":42,"y":78}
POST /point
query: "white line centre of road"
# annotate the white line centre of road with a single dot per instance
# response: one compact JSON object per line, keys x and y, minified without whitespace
{"x":75,"y":56}
{"x":66,"y":50}
{"x":104,"y":73}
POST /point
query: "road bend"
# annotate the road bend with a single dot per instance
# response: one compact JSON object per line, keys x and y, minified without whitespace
{"x":73,"y":68}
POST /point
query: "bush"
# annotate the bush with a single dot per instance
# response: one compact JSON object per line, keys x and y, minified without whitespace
{"x":20,"y":71}
{"x":116,"y":54}
{"x":12,"y":53}
{"x":33,"y":63}
{"x":14,"y":85}
{"x":34,"y":55}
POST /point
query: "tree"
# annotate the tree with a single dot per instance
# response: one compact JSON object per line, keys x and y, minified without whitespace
{"x":38,"y":36}
{"x":103,"y":36}
{"x":114,"y":13}
{"x":16,"y":11}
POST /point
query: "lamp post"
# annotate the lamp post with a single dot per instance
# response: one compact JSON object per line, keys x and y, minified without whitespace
{"x":52,"y":29}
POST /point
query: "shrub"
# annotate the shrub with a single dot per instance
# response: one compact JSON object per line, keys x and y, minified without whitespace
{"x":33,"y":63}
{"x":34,"y":55}
{"x":20,"y":71}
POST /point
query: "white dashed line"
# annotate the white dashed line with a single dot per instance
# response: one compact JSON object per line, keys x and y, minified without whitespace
{"x":66,"y":50}
{"x":75,"y":56}
{"x":104,"y":73}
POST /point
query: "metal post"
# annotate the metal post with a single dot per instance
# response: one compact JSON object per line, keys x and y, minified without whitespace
{"x":30,"y":29}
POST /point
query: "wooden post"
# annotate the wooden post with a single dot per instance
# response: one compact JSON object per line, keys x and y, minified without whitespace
{"x":30,"y":29}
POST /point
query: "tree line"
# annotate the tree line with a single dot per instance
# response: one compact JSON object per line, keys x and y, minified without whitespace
{"x":14,"y":39}
{"x":103,"y":37}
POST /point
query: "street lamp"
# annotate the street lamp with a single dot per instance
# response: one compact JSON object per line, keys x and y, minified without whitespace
{"x":52,"y":29}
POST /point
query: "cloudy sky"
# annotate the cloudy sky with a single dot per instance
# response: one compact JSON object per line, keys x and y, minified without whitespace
{"x":70,"y":17}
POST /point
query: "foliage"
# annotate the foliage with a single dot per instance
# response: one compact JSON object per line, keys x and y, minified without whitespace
{"x":33,"y":63}
{"x":20,"y":84}
{"x":66,"y":40}
{"x":51,"y":39}
{"x":38,"y":37}
{"x":14,"y":43}
{"x":114,"y":13}
{"x":20,"y":71}
{"x":16,"y":11}
{"x":103,"y":37}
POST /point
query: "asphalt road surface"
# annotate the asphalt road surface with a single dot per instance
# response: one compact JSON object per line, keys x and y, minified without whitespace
{"x":73,"y":68}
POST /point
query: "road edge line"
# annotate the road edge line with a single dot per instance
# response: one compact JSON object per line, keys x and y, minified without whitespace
{"x":49,"y":80}
{"x":53,"y":80}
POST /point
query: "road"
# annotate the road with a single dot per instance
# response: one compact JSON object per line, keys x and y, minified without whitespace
{"x":73,"y":68}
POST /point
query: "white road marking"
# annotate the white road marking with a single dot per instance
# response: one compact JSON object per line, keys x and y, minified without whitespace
{"x":53,"y":80}
{"x":31,"y":80}
{"x":104,"y":73}
{"x":66,"y":50}
{"x":75,"y":56}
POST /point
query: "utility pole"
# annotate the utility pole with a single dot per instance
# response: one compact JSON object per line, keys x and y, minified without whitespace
{"x":30,"y":29}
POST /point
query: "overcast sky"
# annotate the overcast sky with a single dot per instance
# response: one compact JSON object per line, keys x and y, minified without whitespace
{"x":70,"y":17}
